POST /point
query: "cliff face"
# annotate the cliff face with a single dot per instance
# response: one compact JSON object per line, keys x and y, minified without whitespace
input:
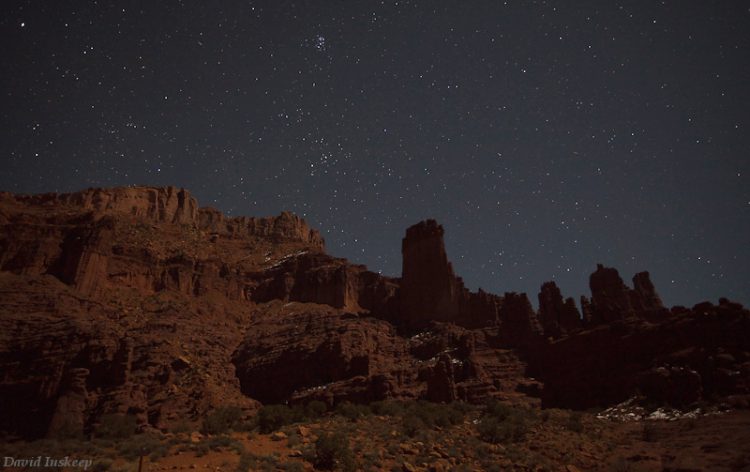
{"x":430,"y":290}
{"x":701,"y":353}
{"x":127,"y":300}
{"x":141,"y":237}
{"x":137,"y":301}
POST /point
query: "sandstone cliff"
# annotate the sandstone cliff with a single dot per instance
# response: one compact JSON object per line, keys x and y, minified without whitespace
{"x":137,"y":301}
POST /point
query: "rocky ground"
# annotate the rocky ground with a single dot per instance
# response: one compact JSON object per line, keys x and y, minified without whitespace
{"x":427,"y":438}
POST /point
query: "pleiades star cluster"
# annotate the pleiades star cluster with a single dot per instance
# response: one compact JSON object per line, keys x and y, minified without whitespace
{"x":545,"y":136}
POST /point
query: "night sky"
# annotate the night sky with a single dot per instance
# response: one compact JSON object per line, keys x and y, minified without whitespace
{"x":544,"y":136}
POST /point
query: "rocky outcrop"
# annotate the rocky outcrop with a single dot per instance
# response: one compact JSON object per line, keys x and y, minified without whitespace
{"x":320,"y":278}
{"x":644,"y":299}
{"x":155,"y":204}
{"x":306,"y":351}
{"x":519,"y":326}
{"x":170,"y":205}
{"x":587,"y":312}
{"x":70,"y":416}
{"x":675,"y":386}
{"x":607,"y":364}
{"x":441,"y":383}
{"x":430,"y":290}
{"x":285,"y":227}
{"x":150,"y":239}
{"x":557,"y":317}
{"x":610,"y":298}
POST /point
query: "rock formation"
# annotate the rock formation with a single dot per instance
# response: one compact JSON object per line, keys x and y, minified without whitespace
{"x":518,"y":322}
{"x":136,"y":301}
{"x":556,"y":316}
{"x":302,"y":350}
{"x":430,"y":290}
{"x":610,"y":298}
{"x":613,"y":361}
{"x":644,"y":298}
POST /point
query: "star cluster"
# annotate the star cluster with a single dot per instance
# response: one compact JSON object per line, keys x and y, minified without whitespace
{"x":545,"y":137}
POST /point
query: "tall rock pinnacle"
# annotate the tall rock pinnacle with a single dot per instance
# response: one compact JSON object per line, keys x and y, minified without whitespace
{"x":429,"y":288}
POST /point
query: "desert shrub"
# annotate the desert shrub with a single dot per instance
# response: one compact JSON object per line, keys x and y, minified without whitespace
{"x":351,"y":411}
{"x":422,"y":416}
{"x":157,"y":453}
{"x":412,"y":425}
{"x":482,"y":451}
{"x":201,"y":449}
{"x":102,"y":466}
{"x":293,"y":438}
{"x":272,"y":417}
{"x":514,"y":453}
{"x":246,"y":461}
{"x":140,"y":445}
{"x":181,"y":427}
{"x":222,"y":420}
{"x":574,"y":422}
{"x":294,"y":467}
{"x":218,"y":442}
{"x":499,"y":410}
{"x":315,"y":409}
{"x":387,"y":408}
{"x":502,"y":424}
{"x":511,"y":429}
{"x":249,"y":461}
{"x":371,"y":459}
{"x":332,"y":453}
{"x":545,"y":416}
{"x":116,"y":426}
{"x":435,"y":414}
{"x":68,"y":430}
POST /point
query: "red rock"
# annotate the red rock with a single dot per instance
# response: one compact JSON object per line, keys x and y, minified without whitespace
{"x":675,"y":386}
{"x":430,"y":290}
{"x":556,"y":316}
{"x":69,"y":418}
{"x":610,"y":299}
{"x":519,"y":325}
{"x":136,"y":301}
{"x":610,"y":363}
{"x":587,"y":313}
{"x":644,"y":298}
{"x":441,"y":384}
{"x":307,"y":351}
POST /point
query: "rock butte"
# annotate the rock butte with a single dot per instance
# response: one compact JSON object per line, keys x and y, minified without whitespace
{"x":137,"y":301}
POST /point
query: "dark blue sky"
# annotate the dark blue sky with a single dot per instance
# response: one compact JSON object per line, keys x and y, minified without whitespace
{"x":544,"y":136}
